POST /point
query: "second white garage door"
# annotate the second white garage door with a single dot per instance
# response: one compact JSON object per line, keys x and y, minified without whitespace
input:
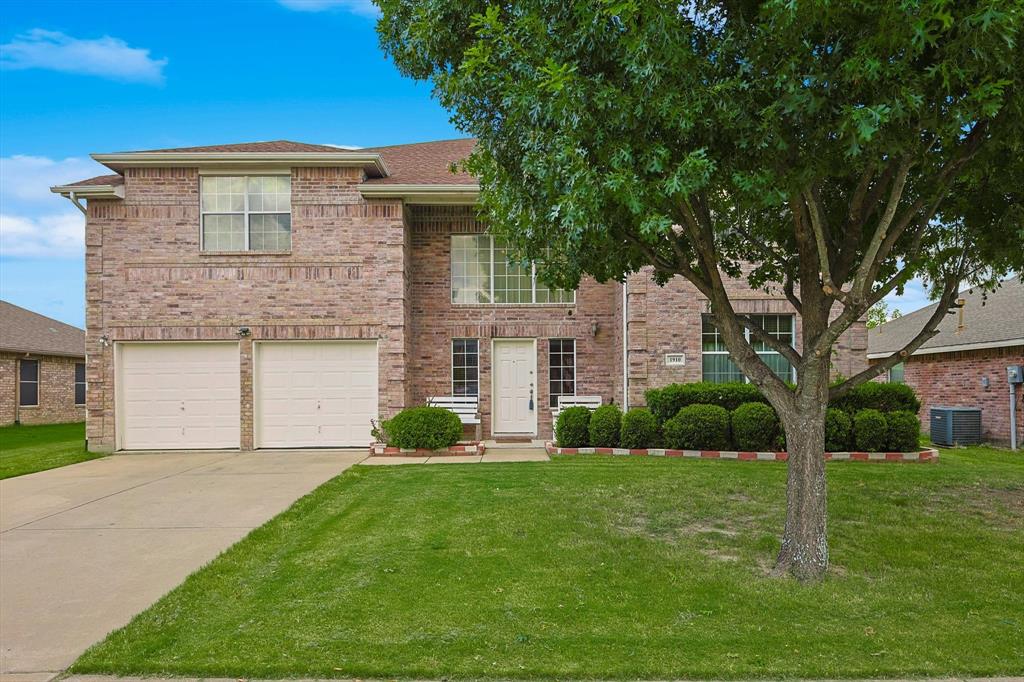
{"x":315,"y":393}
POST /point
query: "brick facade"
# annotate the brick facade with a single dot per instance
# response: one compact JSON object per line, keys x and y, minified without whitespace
{"x":56,"y":391}
{"x":955,"y":380}
{"x":359,"y":269}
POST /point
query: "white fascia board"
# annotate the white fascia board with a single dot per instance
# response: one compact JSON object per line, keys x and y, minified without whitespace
{"x":372,"y":163}
{"x":953,"y":349}
{"x":423,"y":194}
{"x":90,"y":191}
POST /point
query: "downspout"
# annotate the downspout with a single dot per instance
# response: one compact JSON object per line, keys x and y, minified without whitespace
{"x":625,"y":347}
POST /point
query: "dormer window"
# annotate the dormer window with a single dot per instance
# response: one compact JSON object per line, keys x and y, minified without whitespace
{"x":246,"y":213}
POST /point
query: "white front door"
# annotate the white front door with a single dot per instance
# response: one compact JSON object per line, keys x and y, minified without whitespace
{"x":514,"y":364}
{"x":178,"y":396}
{"x":315,"y":393}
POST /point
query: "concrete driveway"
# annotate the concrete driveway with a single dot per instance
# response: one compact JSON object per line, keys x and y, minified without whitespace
{"x":85,"y":547}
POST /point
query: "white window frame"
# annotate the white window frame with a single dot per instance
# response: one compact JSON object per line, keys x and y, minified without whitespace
{"x":477,"y":341}
{"x":491,"y":278}
{"x":746,"y":335}
{"x":83,"y":382}
{"x":38,"y":382}
{"x":888,"y":374}
{"x":245,"y":212}
{"x":575,"y":369}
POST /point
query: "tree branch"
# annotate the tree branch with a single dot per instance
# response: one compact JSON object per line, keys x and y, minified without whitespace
{"x":783,"y":349}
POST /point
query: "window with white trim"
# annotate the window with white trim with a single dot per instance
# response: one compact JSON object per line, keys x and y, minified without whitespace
{"x":481,"y":273}
{"x":79,"y":383}
{"x":561,"y":369}
{"x":246,"y":213}
{"x":28,"y":383}
{"x":465,"y":367}
{"x":718,"y":367}
{"x":896,"y":375}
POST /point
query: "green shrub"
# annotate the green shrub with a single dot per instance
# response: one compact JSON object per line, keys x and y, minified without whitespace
{"x":884,"y":397}
{"x":870,"y":430}
{"x":698,"y":427}
{"x":604,"y":426}
{"x":639,"y":429}
{"x":838,"y":426}
{"x":904,"y":431}
{"x":423,"y":427}
{"x":572,"y":427}
{"x":666,"y":402}
{"x":754,"y":426}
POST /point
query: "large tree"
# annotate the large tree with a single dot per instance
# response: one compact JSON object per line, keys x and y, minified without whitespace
{"x":831,"y":150}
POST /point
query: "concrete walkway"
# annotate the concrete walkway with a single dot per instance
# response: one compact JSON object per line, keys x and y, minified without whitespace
{"x":85,"y":547}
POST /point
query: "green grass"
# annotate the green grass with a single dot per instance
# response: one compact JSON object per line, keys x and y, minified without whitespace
{"x":605,"y":568}
{"x":27,"y":449}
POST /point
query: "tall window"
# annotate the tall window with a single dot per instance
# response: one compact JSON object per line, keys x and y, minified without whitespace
{"x":79,"y":383}
{"x":481,"y":273}
{"x":561,"y":369}
{"x":28,"y":383}
{"x":465,"y":367}
{"x":718,"y":367}
{"x":896,"y":374}
{"x":246,"y":213}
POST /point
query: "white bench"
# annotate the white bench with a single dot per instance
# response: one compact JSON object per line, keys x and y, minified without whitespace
{"x":466,"y":407}
{"x":591,"y":402}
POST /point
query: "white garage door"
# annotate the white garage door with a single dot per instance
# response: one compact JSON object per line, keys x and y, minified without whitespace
{"x":315,"y":393}
{"x":178,"y":395}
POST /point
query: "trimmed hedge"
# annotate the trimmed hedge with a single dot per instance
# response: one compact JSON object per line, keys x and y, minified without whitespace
{"x":604,"y":427}
{"x":666,"y":402}
{"x":639,"y":429}
{"x":754,"y":426}
{"x":884,"y":397}
{"x":698,"y":427}
{"x":870,"y":430}
{"x":433,"y":428}
{"x":838,"y":427}
{"x":904,"y":431}
{"x":572,"y":430}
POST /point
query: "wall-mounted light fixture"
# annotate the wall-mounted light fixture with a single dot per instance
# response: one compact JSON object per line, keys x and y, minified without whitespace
{"x":594,"y":326}
{"x":244,"y":332}
{"x":105,"y":341}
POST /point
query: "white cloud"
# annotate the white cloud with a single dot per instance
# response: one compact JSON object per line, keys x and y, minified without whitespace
{"x":105,"y":57}
{"x":58,"y":235}
{"x":27,"y":179}
{"x":361,"y":7}
{"x":915,"y":297}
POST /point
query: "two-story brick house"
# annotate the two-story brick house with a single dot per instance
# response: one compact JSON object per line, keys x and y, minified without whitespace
{"x":280,"y":294}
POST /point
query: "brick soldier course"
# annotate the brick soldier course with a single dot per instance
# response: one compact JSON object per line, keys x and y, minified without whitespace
{"x":370,"y":258}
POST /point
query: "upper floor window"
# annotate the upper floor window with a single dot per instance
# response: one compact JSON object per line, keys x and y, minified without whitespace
{"x":481,"y":273}
{"x":246,"y":213}
{"x":28,"y":383}
{"x":896,"y":374}
{"x":718,"y":367}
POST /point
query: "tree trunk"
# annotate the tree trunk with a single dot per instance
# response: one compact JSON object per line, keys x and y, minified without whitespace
{"x":804,"y":552}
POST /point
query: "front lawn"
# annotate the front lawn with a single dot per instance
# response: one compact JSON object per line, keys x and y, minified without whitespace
{"x":27,"y":449}
{"x":605,"y":568}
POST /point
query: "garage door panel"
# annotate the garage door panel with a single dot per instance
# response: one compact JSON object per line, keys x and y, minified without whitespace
{"x":179,"y":395}
{"x":311,"y":394}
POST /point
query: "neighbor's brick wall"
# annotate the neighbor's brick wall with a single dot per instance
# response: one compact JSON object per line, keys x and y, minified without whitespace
{"x":667,"y":319}
{"x":56,"y":391}
{"x":146,"y":279}
{"x":436,"y":321}
{"x":954,"y":380}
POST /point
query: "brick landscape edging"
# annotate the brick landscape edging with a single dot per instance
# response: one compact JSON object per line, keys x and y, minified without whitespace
{"x":919,"y":456}
{"x":382,"y":450}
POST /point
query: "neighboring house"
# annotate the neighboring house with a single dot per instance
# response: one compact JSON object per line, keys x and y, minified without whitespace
{"x":964,"y":365}
{"x":279,"y":294}
{"x":42,"y":369}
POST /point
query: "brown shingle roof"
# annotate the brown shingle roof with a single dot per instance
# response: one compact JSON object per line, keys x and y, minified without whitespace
{"x":992,"y":319}
{"x":425,"y":163}
{"x":113,"y":179}
{"x":24,"y":331}
{"x":271,"y":146}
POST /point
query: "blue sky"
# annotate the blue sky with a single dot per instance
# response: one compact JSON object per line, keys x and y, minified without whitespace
{"x":80,"y":77}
